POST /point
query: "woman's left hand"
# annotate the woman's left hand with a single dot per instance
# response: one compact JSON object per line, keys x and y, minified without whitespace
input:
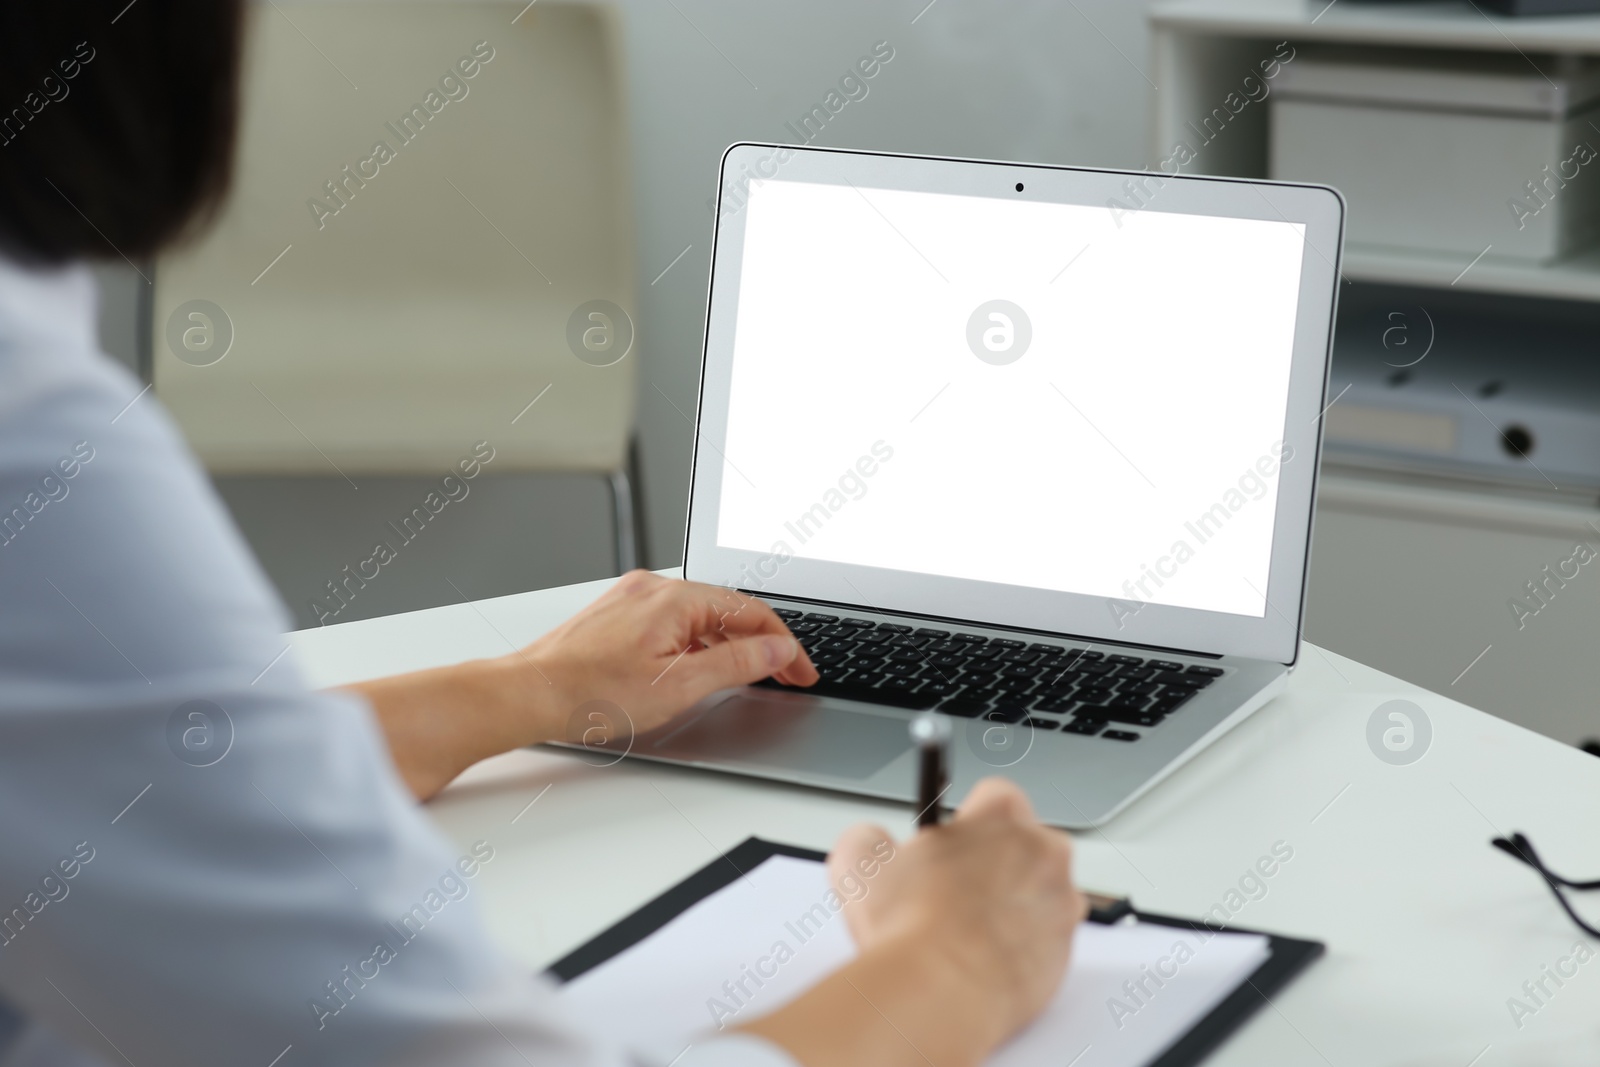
{"x":653,"y":646}
{"x":649,"y":648}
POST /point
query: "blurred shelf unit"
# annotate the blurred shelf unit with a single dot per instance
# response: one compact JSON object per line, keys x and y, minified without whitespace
{"x":1220,"y":67}
{"x":1462,"y":439}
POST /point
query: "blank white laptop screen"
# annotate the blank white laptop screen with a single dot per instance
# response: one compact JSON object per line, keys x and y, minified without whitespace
{"x":1056,"y":396}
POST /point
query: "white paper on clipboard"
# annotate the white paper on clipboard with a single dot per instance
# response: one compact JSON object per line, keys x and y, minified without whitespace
{"x":1132,"y":990}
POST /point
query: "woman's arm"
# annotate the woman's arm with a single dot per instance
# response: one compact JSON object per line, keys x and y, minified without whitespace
{"x":964,"y":931}
{"x":650,"y":646}
{"x":440,"y":722}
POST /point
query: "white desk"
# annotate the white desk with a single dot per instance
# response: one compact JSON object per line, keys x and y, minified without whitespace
{"x":1429,"y":930}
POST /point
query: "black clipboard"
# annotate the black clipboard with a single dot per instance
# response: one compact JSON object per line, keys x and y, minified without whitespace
{"x":1288,"y":956}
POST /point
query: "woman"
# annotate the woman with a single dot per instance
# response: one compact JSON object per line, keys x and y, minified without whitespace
{"x":169,"y":902}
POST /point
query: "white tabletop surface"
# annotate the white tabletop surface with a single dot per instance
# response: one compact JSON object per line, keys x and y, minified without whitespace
{"x":1429,"y":930}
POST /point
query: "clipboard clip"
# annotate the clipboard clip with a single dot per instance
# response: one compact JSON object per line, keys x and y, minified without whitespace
{"x":1108,"y":909}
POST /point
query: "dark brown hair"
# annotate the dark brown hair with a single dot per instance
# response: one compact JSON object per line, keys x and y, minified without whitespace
{"x":117,"y":123}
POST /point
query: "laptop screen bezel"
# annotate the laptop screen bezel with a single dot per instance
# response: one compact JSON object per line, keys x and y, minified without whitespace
{"x":1275,"y":636}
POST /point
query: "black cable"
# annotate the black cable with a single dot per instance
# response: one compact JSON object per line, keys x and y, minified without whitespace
{"x":1520,"y":848}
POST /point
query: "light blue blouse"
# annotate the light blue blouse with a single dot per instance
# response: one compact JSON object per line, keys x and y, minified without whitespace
{"x":202,"y":861}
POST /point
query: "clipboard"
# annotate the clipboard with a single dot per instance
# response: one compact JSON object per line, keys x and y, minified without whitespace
{"x":1286,"y":959}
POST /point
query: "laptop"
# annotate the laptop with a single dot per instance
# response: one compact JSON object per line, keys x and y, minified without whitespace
{"x":1032,"y":447}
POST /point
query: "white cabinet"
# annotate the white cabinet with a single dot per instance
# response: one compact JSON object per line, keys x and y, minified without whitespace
{"x":1474,"y":595}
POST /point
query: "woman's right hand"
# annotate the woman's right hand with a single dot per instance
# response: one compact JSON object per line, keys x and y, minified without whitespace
{"x":964,"y":934}
{"x":992,"y":889}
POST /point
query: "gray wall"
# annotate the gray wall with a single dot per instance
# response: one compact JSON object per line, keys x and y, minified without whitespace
{"x":1036,"y":80}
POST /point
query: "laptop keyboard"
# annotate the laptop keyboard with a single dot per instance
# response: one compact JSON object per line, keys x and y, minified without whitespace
{"x":1051,"y":687}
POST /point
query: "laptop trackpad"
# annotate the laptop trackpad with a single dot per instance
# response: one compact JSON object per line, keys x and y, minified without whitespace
{"x":785,"y":733}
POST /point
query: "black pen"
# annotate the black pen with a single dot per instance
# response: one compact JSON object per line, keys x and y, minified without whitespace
{"x":932,"y":735}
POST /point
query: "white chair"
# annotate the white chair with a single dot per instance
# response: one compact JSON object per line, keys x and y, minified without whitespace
{"x":360,"y":309}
